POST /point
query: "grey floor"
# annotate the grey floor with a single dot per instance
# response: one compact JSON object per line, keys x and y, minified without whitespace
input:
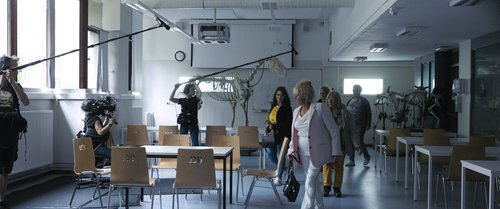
{"x":363,"y":187}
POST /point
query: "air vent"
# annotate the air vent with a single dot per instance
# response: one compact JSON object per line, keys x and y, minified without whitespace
{"x":360,"y":59}
{"x":267,"y":5}
{"x":213,"y":33}
{"x":410,"y":31}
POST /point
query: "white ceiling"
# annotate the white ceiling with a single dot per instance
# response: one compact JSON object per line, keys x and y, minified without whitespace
{"x":444,"y":25}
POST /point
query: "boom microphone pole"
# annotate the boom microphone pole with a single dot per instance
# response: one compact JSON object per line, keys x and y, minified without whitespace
{"x":160,"y":24}
{"x":292,"y":50}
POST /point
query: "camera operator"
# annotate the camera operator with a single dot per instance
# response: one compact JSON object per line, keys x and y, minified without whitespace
{"x":10,"y":95}
{"x":96,"y":129}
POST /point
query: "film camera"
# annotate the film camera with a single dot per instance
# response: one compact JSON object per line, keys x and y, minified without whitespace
{"x":104,"y":106}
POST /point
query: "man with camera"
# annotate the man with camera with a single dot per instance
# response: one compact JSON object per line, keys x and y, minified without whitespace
{"x":96,"y":129}
{"x":11,"y":93}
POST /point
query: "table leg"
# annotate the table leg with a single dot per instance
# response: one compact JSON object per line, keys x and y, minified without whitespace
{"x":379,"y":160}
{"x":126,"y":198}
{"x":406,"y":164}
{"x":397,"y":159}
{"x":429,"y":183}
{"x":224,"y":183}
{"x":415,"y":177}
{"x":462,"y":188}
{"x":231,"y":178}
{"x":492,"y":192}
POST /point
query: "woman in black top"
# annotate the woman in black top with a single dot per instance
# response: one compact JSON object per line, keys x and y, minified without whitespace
{"x":188,"y":119}
{"x":280,"y":122}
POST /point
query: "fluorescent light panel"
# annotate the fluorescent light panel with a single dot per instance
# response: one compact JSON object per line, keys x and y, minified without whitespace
{"x":142,"y":8}
{"x":378,"y":47}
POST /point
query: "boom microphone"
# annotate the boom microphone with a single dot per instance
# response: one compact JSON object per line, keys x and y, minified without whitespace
{"x":162,"y":23}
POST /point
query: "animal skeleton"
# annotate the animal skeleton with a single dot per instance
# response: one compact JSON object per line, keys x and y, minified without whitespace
{"x":408,"y":106}
{"x":233,"y":88}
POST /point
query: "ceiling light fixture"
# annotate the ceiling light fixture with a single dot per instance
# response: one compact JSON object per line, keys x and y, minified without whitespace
{"x":454,"y":3}
{"x":378,"y":47}
{"x":410,"y":31}
{"x":360,"y":59}
{"x":142,"y":8}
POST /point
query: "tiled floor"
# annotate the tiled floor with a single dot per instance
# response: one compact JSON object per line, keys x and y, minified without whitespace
{"x":363,"y":187}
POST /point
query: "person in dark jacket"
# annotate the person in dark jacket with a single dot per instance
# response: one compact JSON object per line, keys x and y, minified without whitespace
{"x":11,"y":93}
{"x":279,"y":122}
{"x":188,"y":119}
{"x":359,"y":107}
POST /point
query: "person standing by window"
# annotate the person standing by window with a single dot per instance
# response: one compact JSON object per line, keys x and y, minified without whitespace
{"x":188,"y":119}
{"x":344,"y":122}
{"x":10,"y":95}
{"x":359,"y":107}
{"x":315,"y":141}
{"x":280,"y":123}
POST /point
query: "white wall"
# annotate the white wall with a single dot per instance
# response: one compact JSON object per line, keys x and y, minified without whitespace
{"x":161,"y":72}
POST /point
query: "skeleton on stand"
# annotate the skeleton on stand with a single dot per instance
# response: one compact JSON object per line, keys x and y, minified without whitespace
{"x":233,"y":88}
{"x":408,"y":106}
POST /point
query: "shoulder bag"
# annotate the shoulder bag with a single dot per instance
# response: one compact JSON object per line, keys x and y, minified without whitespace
{"x":268,"y":139}
{"x":292,"y":186}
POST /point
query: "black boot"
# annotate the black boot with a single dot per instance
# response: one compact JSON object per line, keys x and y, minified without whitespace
{"x":337,"y":192}
{"x":326,"y":191}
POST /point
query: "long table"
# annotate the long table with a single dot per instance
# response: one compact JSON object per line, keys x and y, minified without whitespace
{"x":385,"y":133}
{"x":436,"y":151}
{"x":488,"y":168}
{"x":157,"y":151}
{"x":417,"y":140}
{"x":153,"y":131}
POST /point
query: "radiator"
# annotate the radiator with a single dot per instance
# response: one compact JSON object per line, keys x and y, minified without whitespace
{"x":37,"y":149}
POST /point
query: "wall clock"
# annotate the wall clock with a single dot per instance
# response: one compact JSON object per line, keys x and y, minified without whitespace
{"x":180,"y":56}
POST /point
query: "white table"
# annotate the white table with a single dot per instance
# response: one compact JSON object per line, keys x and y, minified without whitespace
{"x":385,"y":133}
{"x":436,"y":151}
{"x":417,"y":140}
{"x":153,"y":132}
{"x":488,"y":168}
{"x":157,"y":151}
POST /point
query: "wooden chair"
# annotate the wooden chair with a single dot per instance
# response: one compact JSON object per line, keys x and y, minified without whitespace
{"x":229,"y":141}
{"x":84,"y":168}
{"x":137,"y":135}
{"x":390,"y":147}
{"x":170,"y":163}
{"x":249,"y":140}
{"x":249,"y":137}
{"x":454,"y":173}
{"x":266,"y":174}
{"x":130,"y":169}
{"x":195,"y":170}
{"x":166,"y":129}
{"x":214,"y":131}
{"x":485,"y":141}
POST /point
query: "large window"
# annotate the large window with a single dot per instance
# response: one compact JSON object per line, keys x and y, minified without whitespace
{"x":3,"y":27}
{"x":370,"y":86}
{"x":67,"y":39}
{"x":93,"y":60}
{"x":31,"y":42}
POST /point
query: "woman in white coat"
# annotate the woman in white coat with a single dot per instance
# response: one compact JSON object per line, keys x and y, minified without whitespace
{"x":315,"y":141}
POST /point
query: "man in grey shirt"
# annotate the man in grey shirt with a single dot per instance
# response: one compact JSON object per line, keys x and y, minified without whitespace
{"x":359,"y":107}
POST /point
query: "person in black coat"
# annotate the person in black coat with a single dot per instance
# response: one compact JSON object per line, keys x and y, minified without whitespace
{"x":279,"y":121}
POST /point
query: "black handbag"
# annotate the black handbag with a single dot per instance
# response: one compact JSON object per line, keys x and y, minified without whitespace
{"x":268,"y":139}
{"x":292,"y":186}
